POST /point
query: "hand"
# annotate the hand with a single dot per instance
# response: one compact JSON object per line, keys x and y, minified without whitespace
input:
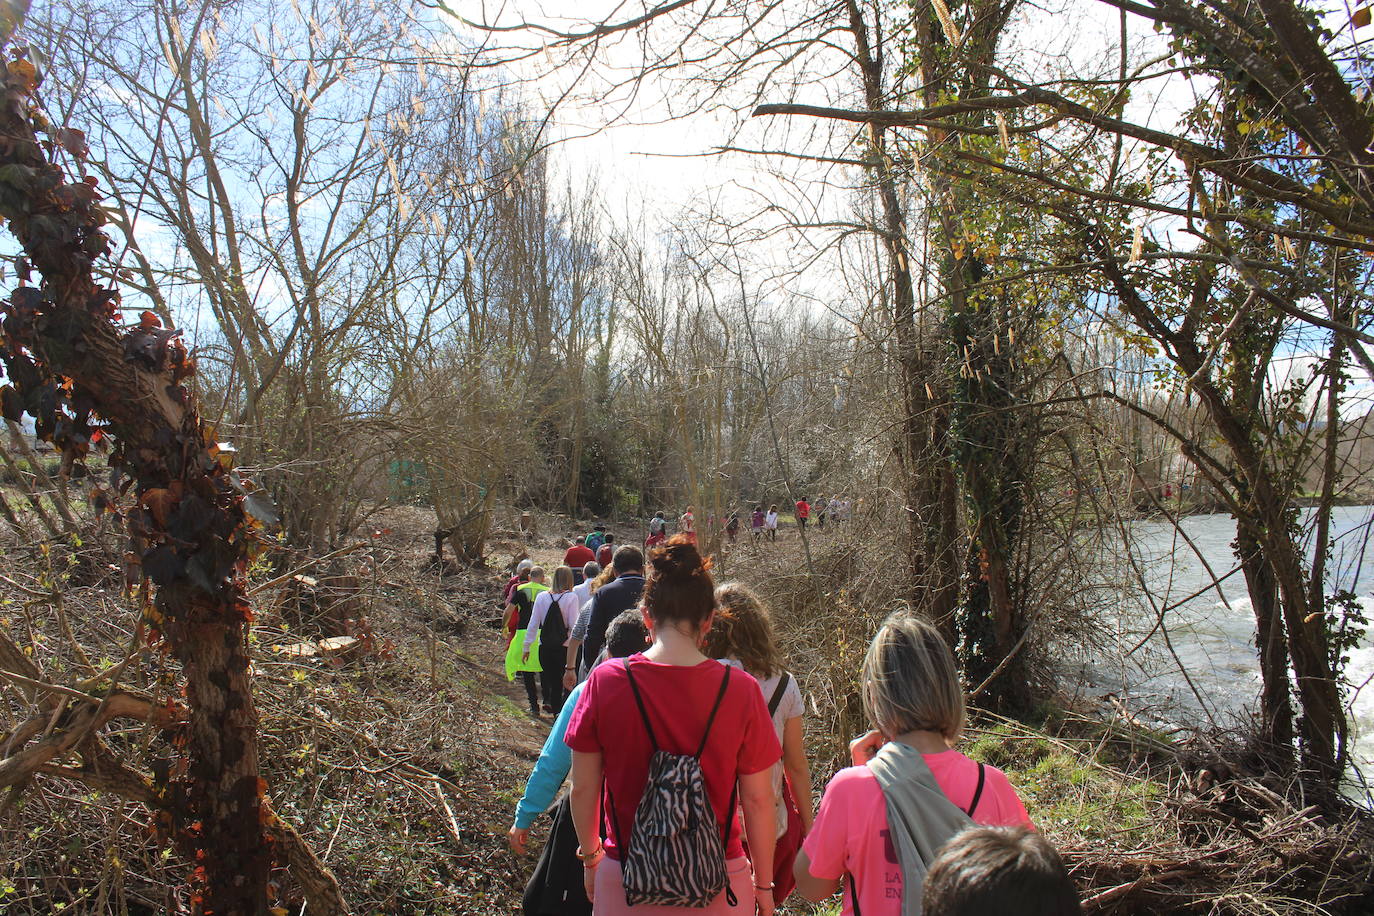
{"x":524,"y":655}
{"x":569,"y":680}
{"x":864,"y":749}
{"x":763,"y":902}
{"x":518,"y":837}
{"x":589,"y":882}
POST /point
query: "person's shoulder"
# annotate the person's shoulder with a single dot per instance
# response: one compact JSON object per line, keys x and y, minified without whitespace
{"x":853,"y":782}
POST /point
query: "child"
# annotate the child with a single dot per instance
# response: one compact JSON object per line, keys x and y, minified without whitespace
{"x":770,"y":522}
{"x":756,"y":524}
{"x":1010,"y":871}
{"x":743,"y":635}
{"x":912,"y":694}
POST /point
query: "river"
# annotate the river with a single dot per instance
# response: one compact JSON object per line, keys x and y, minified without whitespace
{"x":1212,"y":630}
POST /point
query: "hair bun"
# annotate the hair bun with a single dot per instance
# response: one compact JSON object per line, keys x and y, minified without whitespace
{"x":678,"y":560}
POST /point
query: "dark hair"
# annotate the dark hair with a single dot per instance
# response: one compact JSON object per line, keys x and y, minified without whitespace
{"x":627,"y":558}
{"x":609,"y":537}
{"x":1003,"y":870}
{"x":626,"y":635}
{"x":680,"y":588}
{"x":579,"y":539}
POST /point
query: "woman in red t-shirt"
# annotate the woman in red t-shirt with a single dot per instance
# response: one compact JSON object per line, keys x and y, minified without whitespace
{"x":679,"y":685}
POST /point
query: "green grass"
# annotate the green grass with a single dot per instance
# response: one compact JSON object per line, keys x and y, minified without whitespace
{"x":1070,"y":789}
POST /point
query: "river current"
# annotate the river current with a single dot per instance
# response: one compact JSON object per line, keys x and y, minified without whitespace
{"x":1211,"y":630}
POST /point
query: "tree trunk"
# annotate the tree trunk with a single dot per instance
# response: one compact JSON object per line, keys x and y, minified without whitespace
{"x":189,"y":524}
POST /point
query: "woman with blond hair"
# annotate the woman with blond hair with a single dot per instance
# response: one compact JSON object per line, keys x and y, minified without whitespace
{"x":743,"y":636}
{"x":552,"y":619}
{"x":882,"y":820}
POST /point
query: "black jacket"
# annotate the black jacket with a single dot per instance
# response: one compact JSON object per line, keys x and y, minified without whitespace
{"x":611,"y":600}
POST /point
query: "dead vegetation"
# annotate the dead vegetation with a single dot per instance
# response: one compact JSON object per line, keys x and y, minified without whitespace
{"x":399,"y":760}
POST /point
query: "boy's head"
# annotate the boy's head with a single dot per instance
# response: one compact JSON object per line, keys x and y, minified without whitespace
{"x":610,"y":539}
{"x":1010,"y":871}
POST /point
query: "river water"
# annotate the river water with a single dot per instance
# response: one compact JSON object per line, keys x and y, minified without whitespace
{"x":1212,"y":629}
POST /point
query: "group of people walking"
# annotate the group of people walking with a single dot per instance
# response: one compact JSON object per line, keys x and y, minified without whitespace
{"x":682,"y":732}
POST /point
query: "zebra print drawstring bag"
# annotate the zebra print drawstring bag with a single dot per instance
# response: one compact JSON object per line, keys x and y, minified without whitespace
{"x":675,"y":855}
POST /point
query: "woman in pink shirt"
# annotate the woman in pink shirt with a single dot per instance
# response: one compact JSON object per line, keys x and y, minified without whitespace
{"x":613,"y":738}
{"x":912,"y":694}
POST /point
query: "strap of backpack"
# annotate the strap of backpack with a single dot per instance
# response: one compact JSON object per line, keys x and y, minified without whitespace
{"x":854,"y":894}
{"x":776,"y":701}
{"x":977,"y":792}
{"x":644,"y":714}
{"x":720,"y":695}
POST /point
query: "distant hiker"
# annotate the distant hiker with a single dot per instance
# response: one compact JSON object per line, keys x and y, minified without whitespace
{"x":555,"y":888}
{"x":555,"y":612}
{"x":742,"y":635}
{"x":914,"y":700}
{"x":664,"y":743}
{"x":612,"y":599}
{"x":732,"y":525}
{"x":518,"y":616}
{"x":687,"y":525}
{"x":579,"y":554}
{"x":606,"y":550}
{"x":770,"y":523}
{"x":583,"y":590}
{"x":1010,"y":871}
{"x":820,"y":507}
{"x":835,"y":508}
{"x":803,"y":513}
{"x":577,"y":663}
{"x":658,"y":530}
{"x":595,"y":539}
{"x":756,"y":523}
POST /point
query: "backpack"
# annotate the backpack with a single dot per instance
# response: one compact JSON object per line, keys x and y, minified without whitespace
{"x":675,"y":856}
{"x":773,"y":703}
{"x":593,"y":541}
{"x":554,"y":630}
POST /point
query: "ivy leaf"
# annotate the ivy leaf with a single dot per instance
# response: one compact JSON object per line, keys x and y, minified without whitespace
{"x":259,"y":505}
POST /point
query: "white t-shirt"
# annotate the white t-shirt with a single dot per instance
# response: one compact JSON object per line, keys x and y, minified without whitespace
{"x":790,"y":706}
{"x":583,"y":593}
{"x":771,"y":520}
{"x":566,"y":603}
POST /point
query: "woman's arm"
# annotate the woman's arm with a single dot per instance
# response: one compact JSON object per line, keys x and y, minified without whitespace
{"x":761,"y":824}
{"x":584,"y":800}
{"x":798,"y":771}
{"x":549,"y":772}
{"x":808,"y":885}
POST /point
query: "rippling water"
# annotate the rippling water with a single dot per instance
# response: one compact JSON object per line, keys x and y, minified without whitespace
{"x":1212,"y":631}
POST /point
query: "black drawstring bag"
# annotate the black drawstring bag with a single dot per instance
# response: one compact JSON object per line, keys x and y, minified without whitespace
{"x":556,"y":888}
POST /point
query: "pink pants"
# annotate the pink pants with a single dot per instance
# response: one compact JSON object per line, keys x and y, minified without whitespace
{"x":610,"y":894}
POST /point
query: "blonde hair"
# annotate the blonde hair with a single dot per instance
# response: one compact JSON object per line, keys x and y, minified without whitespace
{"x":910,"y":680}
{"x":743,"y":629}
{"x":563,"y":579}
{"x":607,"y":574}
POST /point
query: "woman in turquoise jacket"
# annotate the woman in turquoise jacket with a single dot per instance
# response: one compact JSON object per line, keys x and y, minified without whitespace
{"x":624,"y":637}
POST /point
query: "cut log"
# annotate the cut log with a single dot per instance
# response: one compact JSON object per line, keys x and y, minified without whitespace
{"x":338,"y":646}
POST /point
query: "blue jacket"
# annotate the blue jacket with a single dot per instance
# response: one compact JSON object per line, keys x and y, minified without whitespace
{"x":552,"y":767}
